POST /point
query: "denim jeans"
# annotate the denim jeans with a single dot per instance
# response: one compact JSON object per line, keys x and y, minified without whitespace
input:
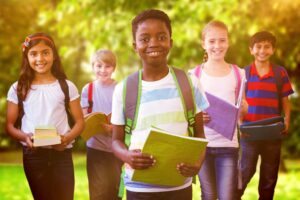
{"x":104,"y":171}
{"x":218,"y":174}
{"x":50,"y":173}
{"x":183,"y":194}
{"x":269,"y":150}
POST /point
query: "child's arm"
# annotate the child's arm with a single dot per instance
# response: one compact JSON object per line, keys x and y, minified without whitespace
{"x":85,"y":111}
{"x":134,"y":158}
{"x":188,"y":170}
{"x":12,"y":113}
{"x":77,"y":128}
{"x":286,"y":106}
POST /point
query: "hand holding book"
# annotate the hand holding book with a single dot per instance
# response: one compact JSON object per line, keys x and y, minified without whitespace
{"x":138,"y":160}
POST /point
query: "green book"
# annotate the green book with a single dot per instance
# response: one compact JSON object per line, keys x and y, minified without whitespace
{"x":168,"y":150}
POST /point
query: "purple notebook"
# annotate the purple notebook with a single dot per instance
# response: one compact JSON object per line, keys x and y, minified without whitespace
{"x":223,"y":116}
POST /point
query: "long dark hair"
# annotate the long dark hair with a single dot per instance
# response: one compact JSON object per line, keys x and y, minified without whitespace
{"x":27,"y":73}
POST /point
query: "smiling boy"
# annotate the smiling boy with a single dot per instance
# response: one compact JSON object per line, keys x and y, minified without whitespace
{"x":264,"y":99}
{"x":160,"y":106}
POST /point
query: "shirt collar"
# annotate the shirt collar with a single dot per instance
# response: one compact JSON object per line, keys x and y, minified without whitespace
{"x":253,"y":71}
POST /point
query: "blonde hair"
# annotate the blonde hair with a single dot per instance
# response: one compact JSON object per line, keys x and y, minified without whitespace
{"x":105,"y":56}
{"x":215,"y":24}
{"x":209,"y":25}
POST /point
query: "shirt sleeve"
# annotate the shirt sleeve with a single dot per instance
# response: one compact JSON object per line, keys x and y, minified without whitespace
{"x":73,"y":91}
{"x":12,"y":93}
{"x":199,"y":95}
{"x":84,"y":97}
{"x":117,"y":116}
{"x":287,"y":86}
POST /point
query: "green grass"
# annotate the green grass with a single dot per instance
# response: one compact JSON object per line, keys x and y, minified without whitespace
{"x":15,"y":187}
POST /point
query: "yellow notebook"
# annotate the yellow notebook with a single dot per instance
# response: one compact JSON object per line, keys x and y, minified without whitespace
{"x":169,"y":150}
{"x":93,"y":125}
{"x":45,"y":136}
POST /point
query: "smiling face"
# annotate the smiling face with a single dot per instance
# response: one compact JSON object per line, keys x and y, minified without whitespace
{"x":153,"y":42}
{"x":262,"y":51}
{"x":40,"y":58}
{"x":215,"y":43}
{"x":103,"y":71}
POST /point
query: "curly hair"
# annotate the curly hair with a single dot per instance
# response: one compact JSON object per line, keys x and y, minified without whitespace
{"x":150,"y":14}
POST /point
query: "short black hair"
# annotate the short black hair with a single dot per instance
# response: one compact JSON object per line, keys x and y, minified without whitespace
{"x":151,"y":14}
{"x":262,"y":36}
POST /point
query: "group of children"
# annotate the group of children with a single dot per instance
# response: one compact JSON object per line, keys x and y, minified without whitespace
{"x":39,"y":99}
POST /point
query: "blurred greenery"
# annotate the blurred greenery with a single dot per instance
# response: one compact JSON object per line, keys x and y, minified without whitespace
{"x":80,"y":27}
{"x":15,"y":187}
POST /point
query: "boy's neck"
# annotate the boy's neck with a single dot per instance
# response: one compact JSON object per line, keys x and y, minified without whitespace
{"x":260,"y":64}
{"x":106,"y":82}
{"x":154,"y":73}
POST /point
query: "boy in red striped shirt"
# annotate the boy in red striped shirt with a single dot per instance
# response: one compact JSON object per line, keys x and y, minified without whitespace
{"x":265,"y":100}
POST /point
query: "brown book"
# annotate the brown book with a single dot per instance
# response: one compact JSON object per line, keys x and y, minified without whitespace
{"x":93,"y":125}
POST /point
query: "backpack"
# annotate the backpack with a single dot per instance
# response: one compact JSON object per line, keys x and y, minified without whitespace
{"x":132,"y":99}
{"x":198,"y":70}
{"x":65,"y":88}
{"x":278,"y":81}
{"x":90,"y":97}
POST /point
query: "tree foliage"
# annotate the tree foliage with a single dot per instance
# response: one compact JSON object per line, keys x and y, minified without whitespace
{"x":81,"y":27}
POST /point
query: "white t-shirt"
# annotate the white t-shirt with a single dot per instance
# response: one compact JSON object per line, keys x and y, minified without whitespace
{"x":44,"y":106}
{"x":160,"y":106}
{"x":223,"y":87}
{"x":102,"y":102}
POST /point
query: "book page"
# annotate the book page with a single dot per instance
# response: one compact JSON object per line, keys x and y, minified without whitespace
{"x":169,"y":150}
{"x":223,"y":116}
{"x":93,"y":125}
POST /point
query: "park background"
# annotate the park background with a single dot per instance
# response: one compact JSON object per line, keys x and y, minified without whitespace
{"x":81,"y":27}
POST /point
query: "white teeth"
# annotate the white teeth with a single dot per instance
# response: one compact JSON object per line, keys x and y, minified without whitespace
{"x":154,"y":53}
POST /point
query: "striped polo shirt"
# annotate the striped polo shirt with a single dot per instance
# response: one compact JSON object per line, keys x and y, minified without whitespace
{"x":262,"y":95}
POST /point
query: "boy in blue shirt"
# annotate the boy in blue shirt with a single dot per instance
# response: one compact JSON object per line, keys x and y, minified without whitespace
{"x":263,"y":103}
{"x":160,"y":106}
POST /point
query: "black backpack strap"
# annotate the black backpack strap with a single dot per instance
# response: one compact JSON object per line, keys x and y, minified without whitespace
{"x":65,"y":88}
{"x":18,"y":122}
{"x":185,"y":89}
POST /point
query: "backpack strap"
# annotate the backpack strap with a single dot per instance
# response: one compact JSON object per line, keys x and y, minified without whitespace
{"x":247,"y":73}
{"x":65,"y":88}
{"x":185,"y":89}
{"x":237,"y":74}
{"x":238,"y":80}
{"x":131,"y":101}
{"x":279,"y":85}
{"x":198,"y":70}
{"x":18,"y":122}
{"x":90,"y":97}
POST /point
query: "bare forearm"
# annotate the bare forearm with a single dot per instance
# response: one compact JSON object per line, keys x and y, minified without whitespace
{"x":75,"y":131}
{"x":199,"y":129}
{"x":120,"y":149}
{"x":15,"y":133}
